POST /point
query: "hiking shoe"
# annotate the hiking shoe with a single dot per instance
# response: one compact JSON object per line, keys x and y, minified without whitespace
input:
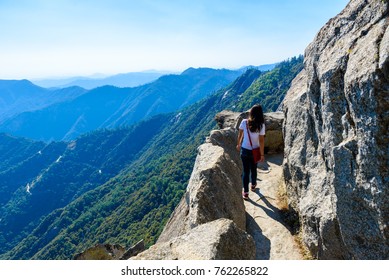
{"x":253,"y":187}
{"x":245,"y":195}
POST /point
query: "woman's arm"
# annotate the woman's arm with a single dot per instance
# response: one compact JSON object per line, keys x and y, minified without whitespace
{"x":262,"y":147}
{"x":240,"y":139}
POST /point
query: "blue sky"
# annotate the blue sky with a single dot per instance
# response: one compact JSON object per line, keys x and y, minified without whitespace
{"x":46,"y":38}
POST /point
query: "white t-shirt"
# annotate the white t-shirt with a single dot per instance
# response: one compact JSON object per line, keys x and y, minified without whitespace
{"x":254,"y":136}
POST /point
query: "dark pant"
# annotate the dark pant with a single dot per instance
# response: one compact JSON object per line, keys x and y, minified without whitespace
{"x":249,"y":168}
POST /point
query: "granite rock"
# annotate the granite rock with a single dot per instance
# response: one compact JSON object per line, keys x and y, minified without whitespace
{"x":336,"y":136}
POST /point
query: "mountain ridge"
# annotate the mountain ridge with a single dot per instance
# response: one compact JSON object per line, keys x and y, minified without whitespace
{"x":18,"y":96}
{"x":110,"y":107}
{"x":130,"y":79}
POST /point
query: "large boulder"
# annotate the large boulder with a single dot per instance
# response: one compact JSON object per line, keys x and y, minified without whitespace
{"x":274,"y":142}
{"x":216,"y":240}
{"x":336,"y":136}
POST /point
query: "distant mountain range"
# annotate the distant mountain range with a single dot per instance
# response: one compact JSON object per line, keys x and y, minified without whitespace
{"x":109,"y":107}
{"x":132,"y":79}
{"x":264,"y":67}
{"x":17,"y":96}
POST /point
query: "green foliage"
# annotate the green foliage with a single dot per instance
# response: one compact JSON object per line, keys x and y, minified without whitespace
{"x":84,"y":165}
{"x":270,"y":89}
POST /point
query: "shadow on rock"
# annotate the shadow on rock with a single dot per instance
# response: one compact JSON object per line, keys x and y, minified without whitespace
{"x":262,"y":243}
{"x":287,"y":219}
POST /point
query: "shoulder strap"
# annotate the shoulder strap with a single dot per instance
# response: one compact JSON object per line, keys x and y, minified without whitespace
{"x":248,"y":133}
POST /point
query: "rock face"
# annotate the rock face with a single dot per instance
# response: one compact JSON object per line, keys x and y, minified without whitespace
{"x":336,"y":136}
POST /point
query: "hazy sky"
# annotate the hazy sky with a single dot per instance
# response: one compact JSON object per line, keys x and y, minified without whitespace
{"x":48,"y":38}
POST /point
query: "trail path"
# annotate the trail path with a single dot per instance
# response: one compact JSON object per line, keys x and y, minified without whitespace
{"x":273,"y":239}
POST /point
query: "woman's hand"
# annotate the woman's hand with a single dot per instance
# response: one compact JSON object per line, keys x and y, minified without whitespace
{"x":262,"y":158}
{"x":240,"y":139}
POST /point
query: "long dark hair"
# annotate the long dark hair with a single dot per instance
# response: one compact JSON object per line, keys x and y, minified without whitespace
{"x":256,"y":119}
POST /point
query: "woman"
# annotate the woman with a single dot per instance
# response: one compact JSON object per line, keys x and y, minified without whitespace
{"x":255,"y":126}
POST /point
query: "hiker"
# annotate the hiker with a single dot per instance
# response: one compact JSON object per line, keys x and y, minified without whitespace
{"x":251,"y":137}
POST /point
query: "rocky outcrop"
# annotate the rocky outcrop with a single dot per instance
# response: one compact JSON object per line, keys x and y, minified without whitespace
{"x":216,"y":240}
{"x":110,"y":252}
{"x":101,"y":252}
{"x":134,"y":250}
{"x":336,"y":136}
{"x":274,"y":142}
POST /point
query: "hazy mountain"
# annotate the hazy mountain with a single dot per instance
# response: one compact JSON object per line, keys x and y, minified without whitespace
{"x":109,"y":107}
{"x":116,"y":186}
{"x":17,"y":96}
{"x":132,"y":79}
